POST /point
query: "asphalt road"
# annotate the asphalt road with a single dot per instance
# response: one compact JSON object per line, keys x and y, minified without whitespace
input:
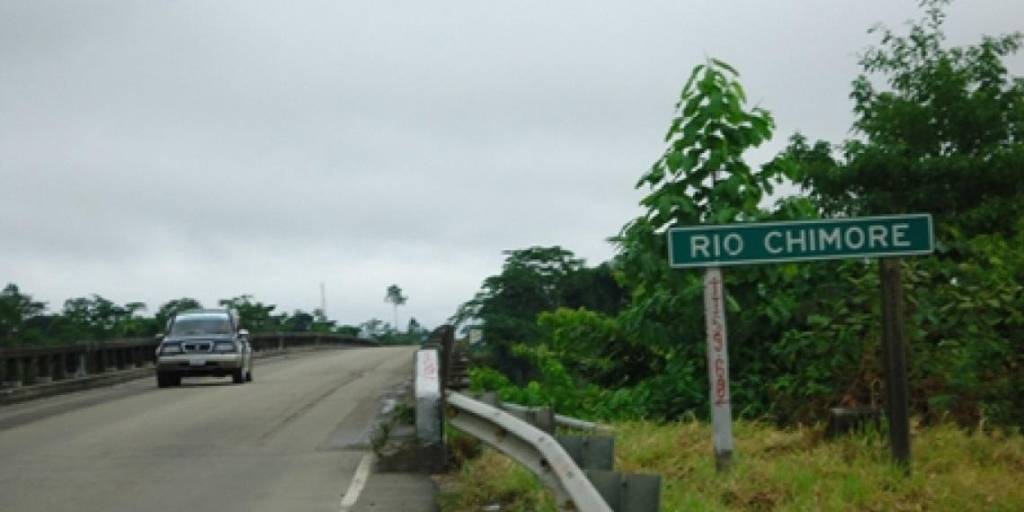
{"x":289,"y":441}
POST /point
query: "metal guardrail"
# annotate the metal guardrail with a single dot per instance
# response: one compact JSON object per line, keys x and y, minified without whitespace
{"x":28,"y":365}
{"x":561,"y":420}
{"x":536,"y":450}
{"x":577,"y":468}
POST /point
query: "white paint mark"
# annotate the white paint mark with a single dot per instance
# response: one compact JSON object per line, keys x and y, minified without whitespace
{"x":358,"y":482}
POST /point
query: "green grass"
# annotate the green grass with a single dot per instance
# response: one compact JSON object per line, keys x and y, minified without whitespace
{"x":781,"y":470}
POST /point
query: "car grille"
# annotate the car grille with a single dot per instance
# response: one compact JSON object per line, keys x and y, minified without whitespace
{"x":197,"y":346}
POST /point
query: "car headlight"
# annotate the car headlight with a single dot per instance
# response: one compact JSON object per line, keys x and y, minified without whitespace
{"x":170,"y":348}
{"x":224,"y":346}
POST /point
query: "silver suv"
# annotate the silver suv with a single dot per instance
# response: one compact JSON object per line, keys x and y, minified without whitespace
{"x":208,"y":342}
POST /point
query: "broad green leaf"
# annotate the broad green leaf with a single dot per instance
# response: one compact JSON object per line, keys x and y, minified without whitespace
{"x":723,"y":65}
{"x":674,"y":159}
{"x":693,"y":77}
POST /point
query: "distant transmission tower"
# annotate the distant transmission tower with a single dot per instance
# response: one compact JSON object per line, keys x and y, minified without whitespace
{"x":323,"y":300}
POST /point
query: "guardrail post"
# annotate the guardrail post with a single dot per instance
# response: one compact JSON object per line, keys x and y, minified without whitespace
{"x":629,"y":492}
{"x":541,"y":417}
{"x":590,"y":452}
{"x":490,"y":398}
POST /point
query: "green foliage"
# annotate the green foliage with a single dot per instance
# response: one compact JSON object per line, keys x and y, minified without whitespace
{"x":395,"y":297}
{"x":173,"y":307}
{"x":15,"y":309}
{"x":95,"y":318}
{"x":942,"y":130}
{"x":943,"y":136}
{"x":494,"y":482}
{"x":256,"y":316}
{"x":532,"y":281}
{"x":386,"y":334}
{"x":785,"y":470}
{"x":701,"y":177}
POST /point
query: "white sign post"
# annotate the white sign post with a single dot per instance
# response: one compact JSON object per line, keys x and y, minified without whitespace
{"x":718,"y":366}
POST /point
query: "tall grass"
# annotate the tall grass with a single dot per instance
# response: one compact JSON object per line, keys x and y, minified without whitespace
{"x":783,"y":470}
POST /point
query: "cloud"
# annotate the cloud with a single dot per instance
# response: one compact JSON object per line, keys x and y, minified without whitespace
{"x":162,"y":149}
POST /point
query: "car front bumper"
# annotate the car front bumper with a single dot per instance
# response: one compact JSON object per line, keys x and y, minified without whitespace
{"x":217,"y":365}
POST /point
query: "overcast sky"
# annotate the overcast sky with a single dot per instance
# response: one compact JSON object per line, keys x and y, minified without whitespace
{"x":159,"y":149}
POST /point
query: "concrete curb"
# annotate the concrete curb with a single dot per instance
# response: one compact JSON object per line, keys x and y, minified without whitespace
{"x":26,"y":393}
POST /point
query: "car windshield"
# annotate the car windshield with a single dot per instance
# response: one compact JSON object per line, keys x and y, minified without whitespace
{"x":198,"y":325}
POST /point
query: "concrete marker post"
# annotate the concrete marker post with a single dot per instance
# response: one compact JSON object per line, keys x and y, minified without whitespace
{"x":718,"y":366}
{"x":430,"y":408}
{"x":429,"y":430}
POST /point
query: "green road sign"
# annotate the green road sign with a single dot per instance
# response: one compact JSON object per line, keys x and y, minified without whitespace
{"x":777,"y":242}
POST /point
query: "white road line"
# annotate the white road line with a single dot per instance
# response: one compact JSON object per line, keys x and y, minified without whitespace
{"x":358,"y":482}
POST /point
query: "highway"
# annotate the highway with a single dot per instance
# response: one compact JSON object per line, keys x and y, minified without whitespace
{"x":289,"y":441}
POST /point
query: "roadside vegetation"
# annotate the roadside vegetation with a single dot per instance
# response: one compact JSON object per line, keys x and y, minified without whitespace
{"x":937,"y":129}
{"x":26,"y":321}
{"x":779,"y":469}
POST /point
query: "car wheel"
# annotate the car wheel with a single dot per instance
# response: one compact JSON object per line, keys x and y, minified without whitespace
{"x":175,"y":380}
{"x":161,"y":380}
{"x":237,"y":376}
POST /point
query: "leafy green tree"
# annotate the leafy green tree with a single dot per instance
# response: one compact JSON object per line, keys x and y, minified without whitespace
{"x":701,"y":177}
{"x":375,"y":328}
{"x":416,"y":332}
{"x":254,"y":315}
{"x":16,"y":309}
{"x":299,"y":321}
{"x":532,"y":281}
{"x":173,"y":307}
{"x":321,"y":323}
{"x":395,"y":297}
{"x":92,"y":317}
{"x":940,"y":131}
{"x":805,"y":337}
{"x":347,"y":330}
{"x":134,"y":324}
{"x":98,"y":318}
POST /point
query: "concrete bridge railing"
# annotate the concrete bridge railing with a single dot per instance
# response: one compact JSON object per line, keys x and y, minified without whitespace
{"x":32,"y":365}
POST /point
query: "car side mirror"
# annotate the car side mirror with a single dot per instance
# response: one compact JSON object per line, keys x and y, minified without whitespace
{"x":159,"y":336}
